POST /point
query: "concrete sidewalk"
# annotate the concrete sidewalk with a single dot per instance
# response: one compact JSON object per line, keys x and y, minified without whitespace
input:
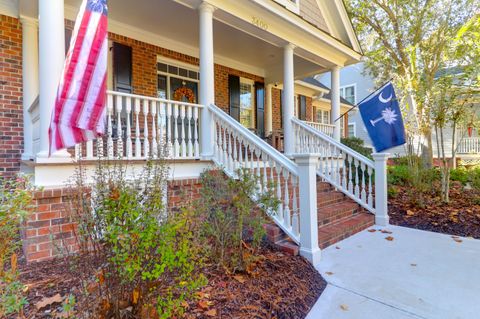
{"x":418,"y":274}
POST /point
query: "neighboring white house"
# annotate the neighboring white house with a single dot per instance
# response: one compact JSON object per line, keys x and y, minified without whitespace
{"x":356,"y":84}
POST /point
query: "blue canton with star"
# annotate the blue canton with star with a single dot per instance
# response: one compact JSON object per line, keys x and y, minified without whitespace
{"x":99,"y":6}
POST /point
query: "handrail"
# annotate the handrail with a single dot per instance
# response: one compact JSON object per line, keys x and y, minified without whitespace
{"x":35,"y":103}
{"x":246,"y":133}
{"x":317,"y":123}
{"x":236,"y":147}
{"x":151,"y":98}
{"x":339,"y":145}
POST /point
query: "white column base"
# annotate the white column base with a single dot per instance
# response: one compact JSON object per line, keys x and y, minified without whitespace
{"x":61,"y":156}
{"x":313,"y":256}
{"x":382,"y":220}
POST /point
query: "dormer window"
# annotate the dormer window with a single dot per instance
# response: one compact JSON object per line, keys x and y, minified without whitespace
{"x":292,"y":5}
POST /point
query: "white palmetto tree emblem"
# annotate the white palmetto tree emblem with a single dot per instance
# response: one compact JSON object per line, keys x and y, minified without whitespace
{"x":388,"y":115}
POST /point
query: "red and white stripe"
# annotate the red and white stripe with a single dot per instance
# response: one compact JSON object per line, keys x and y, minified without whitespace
{"x":80,"y":106}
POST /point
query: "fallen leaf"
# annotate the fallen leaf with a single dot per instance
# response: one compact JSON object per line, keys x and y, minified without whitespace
{"x":344,"y":307}
{"x":211,"y":313}
{"x":413,"y":265}
{"x":204,"y":304}
{"x":384,"y":231}
{"x":458,"y":240}
{"x":135,"y":295}
{"x":389,"y":238}
{"x":239,"y":278}
{"x":47,"y":301}
{"x":336,"y":247}
{"x":410,"y":212}
{"x":372,"y":230}
{"x":329,"y":273}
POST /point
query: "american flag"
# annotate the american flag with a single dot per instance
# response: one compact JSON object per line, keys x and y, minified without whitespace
{"x":79,"y":111}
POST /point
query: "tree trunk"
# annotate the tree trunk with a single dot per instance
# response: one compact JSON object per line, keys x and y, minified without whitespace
{"x":454,"y":145}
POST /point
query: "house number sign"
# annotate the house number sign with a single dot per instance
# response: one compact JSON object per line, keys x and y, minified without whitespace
{"x":259,"y":23}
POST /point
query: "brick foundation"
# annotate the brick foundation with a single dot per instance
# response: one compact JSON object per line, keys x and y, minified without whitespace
{"x":50,"y":232}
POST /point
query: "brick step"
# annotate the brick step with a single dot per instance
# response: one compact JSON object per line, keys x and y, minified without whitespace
{"x":280,"y":240}
{"x":332,"y":213}
{"x":328,"y":198}
{"x":333,"y":233}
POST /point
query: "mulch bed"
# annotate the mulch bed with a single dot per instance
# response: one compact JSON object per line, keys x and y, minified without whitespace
{"x":460,"y":217}
{"x":280,"y":287}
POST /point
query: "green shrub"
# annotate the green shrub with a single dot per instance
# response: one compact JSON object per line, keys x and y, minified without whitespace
{"x":233,"y":226}
{"x":474,"y":177}
{"x":459,"y":175}
{"x":15,"y":206}
{"x":142,"y":254}
{"x":356,"y":144}
{"x":399,"y":175}
{"x":406,"y":160}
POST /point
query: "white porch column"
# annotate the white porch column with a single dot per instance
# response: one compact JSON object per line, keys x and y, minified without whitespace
{"x":30,"y":79}
{"x":335,"y":96}
{"x":307,"y":175}
{"x":268,"y":110}
{"x":288,"y":99}
{"x":207,"y":77}
{"x":51,"y":60}
{"x":381,"y":194}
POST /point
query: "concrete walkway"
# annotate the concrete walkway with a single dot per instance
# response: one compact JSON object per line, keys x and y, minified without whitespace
{"x":418,"y":274}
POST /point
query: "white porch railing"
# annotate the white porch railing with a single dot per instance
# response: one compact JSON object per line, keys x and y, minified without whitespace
{"x":140,"y":127}
{"x":236,"y":147}
{"x":324,"y":128}
{"x":350,"y":172}
{"x":469,"y":145}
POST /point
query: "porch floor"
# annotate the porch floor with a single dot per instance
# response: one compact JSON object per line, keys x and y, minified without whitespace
{"x":418,"y":274}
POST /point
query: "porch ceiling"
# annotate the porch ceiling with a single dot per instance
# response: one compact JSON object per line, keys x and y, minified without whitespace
{"x":169,"y":24}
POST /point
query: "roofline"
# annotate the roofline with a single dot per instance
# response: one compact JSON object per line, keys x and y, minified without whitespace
{"x":311,"y":86}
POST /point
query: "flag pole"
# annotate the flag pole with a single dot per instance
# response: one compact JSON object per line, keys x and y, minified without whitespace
{"x":356,"y":105}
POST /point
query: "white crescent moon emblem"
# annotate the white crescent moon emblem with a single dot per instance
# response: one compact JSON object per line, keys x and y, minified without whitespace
{"x":383,"y":100}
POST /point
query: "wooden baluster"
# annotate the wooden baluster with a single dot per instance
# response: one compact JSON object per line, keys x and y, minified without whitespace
{"x":183,"y":144}
{"x":363,"y":193}
{"x":350,"y":169}
{"x":337,"y":166}
{"x":138,"y":143}
{"x":195,"y":132}
{"x":109,"y":126}
{"x":89,"y":148}
{"x":128,"y":109}
{"x":146,"y":142}
{"x":78,"y":151}
{"x":332,"y":155}
{"x":295,"y":217}
{"x":279,"y":192}
{"x":169,"y":126}
{"x":344,"y":171}
{"x":215,"y":137}
{"x":265,"y":176}
{"x":357,"y":181}
{"x":118,"y":109}
{"x":161,"y":129}
{"x":176,"y":143}
{"x":224,"y":146}
{"x":230,"y":163}
{"x":99,"y":147}
{"x":258,"y":175}
{"x":153,"y":111}
{"x":370,"y":189}
{"x":286,"y":200}
{"x":189,"y":129}
{"x":235,"y":155}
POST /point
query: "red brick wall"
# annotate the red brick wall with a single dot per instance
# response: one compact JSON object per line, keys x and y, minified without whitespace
{"x":276,"y":109}
{"x":50,"y":231}
{"x":11,"y":114}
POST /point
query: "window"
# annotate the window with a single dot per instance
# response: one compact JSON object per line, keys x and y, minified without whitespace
{"x":172,"y":77}
{"x":348,"y":93}
{"x":247,"y":100}
{"x":322,"y":116}
{"x":351,"y":130}
{"x":342,"y":126}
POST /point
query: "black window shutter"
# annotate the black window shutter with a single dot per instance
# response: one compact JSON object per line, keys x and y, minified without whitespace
{"x":302,"y":103}
{"x":234,"y":93}
{"x":260,"y":103}
{"x":122,"y":68}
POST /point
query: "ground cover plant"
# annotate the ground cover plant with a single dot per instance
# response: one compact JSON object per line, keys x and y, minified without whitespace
{"x":415,"y":200}
{"x":15,"y":206}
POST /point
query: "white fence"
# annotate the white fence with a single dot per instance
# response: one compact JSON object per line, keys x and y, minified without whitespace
{"x":469,"y":145}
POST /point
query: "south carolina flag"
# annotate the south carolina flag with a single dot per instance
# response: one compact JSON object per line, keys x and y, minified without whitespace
{"x":383,"y":119}
{"x":79,"y":112}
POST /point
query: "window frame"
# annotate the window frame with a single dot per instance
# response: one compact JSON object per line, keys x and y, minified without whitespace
{"x":354,"y":125}
{"x":178,"y":64}
{"x":252,"y":103}
{"x":343,"y":89}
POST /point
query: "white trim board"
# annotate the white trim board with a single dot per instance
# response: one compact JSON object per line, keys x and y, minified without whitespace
{"x":9,"y":8}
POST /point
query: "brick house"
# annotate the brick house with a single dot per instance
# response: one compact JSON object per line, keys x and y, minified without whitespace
{"x":217,"y":82}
